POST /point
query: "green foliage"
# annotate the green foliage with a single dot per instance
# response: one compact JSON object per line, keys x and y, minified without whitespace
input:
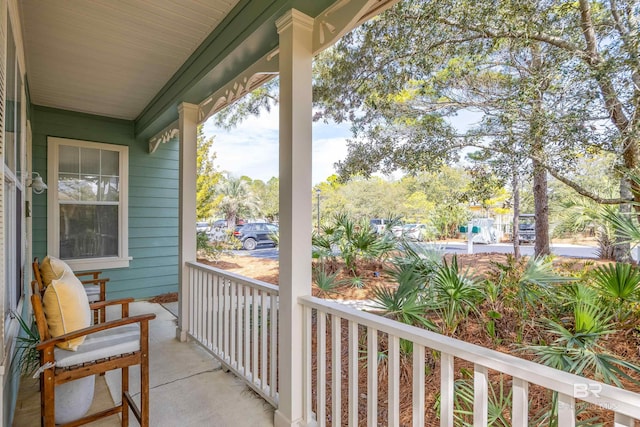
{"x":213,"y":250}
{"x":526,"y":287}
{"x":483,"y":186}
{"x":424,"y":259}
{"x":619,"y":284}
{"x":499,"y":403}
{"x":27,"y":357}
{"x":403,"y":303}
{"x":577,"y":345}
{"x":453,"y":294}
{"x":267,"y":197}
{"x":579,"y":215}
{"x":236,"y":199}
{"x":326,"y":283}
{"x":207,"y":177}
{"x":355,"y":241}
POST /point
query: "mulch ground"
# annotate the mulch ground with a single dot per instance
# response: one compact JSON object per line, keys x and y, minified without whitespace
{"x":625,"y":344}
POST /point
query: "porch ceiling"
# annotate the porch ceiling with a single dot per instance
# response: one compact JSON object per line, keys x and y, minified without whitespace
{"x":111,"y":58}
{"x":139,"y":59}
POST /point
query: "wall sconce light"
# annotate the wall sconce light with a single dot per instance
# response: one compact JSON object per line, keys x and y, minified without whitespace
{"x":37,"y":184}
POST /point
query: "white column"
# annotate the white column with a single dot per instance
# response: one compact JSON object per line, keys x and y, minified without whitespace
{"x":295,"y":58}
{"x":188,"y":122}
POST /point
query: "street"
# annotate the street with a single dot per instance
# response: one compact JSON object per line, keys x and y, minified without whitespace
{"x":562,"y":249}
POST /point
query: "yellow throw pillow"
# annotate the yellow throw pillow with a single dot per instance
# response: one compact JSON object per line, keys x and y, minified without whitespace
{"x":66,"y":308}
{"x":52,"y":268}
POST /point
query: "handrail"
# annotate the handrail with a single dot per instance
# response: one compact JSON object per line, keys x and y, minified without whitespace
{"x":236,"y":277}
{"x":236,"y":319}
{"x":608,"y":397}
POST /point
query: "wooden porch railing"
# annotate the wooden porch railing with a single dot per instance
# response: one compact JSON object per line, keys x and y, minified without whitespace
{"x":234,"y":318}
{"x":364,"y":331}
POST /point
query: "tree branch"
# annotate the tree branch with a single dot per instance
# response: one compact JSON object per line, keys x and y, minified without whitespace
{"x":583,"y":191}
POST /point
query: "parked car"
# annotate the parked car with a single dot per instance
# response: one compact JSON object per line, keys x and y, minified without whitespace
{"x":219,"y":223}
{"x":415,"y":231}
{"x":379,"y":225}
{"x":202,"y":227}
{"x":526,"y":228}
{"x":254,"y":234}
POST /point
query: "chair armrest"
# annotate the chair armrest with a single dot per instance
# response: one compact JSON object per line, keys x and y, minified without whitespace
{"x":101,"y":304}
{"x":95,"y":274}
{"x":124,"y":302}
{"x":94,"y":281}
{"x":95,"y":328}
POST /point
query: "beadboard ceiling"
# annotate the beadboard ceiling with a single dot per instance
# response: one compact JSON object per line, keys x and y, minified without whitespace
{"x":110,"y":57}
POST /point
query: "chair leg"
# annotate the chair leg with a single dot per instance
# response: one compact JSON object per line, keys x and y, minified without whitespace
{"x":144,"y":388}
{"x":125,"y":402}
{"x":47,"y":392}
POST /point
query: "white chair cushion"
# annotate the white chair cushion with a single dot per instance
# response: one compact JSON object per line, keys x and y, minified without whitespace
{"x":66,"y":308}
{"x":101,"y":345}
{"x":93,"y":292}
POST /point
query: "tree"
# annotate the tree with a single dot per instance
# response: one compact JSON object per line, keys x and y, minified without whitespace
{"x":560,"y":78}
{"x":268,"y":195}
{"x":207,"y":178}
{"x":567,"y":79}
{"x":236,"y":199}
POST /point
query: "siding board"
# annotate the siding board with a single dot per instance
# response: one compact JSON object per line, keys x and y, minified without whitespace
{"x":153,"y":199}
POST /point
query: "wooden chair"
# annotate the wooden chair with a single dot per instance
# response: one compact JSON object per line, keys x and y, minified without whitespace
{"x":94,"y":286}
{"x":127,"y":344}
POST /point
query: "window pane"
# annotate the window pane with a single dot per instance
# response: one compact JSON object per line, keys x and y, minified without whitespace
{"x":88,"y":231}
{"x":18,"y":132}
{"x":90,"y":161}
{"x":68,"y":187}
{"x":69,"y":159}
{"x":110,"y":163}
{"x":88,"y":188}
{"x":109,"y":189}
{"x":10,"y":103}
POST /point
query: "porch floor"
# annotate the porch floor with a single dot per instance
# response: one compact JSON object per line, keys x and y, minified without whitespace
{"x":187,"y":385}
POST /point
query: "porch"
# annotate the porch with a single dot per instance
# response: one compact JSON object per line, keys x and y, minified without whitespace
{"x":301,"y":354}
{"x":188,"y":386}
{"x":225,"y":373}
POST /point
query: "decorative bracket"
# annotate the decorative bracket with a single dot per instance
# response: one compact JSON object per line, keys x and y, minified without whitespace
{"x":164,"y":136}
{"x":330,"y":25}
{"x":253,"y":77}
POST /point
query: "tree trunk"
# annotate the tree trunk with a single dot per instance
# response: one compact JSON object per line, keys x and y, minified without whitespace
{"x":622,"y":249}
{"x":516,"y":215}
{"x":537,"y":135}
{"x":231,"y":221}
{"x":541,"y":202}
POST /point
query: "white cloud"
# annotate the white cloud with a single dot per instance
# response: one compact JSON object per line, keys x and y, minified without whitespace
{"x":252,"y":148}
{"x":325,"y":153}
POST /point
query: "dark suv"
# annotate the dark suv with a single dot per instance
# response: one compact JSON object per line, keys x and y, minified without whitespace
{"x":255,"y":233}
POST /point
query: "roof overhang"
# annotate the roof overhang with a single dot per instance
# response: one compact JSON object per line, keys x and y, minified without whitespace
{"x":139,"y":60}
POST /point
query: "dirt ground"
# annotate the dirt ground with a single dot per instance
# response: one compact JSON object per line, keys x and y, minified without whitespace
{"x":624,"y":344}
{"x":266,"y":270}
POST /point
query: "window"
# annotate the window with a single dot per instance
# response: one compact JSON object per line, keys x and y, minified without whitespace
{"x":88,"y":226}
{"x":13,"y":184}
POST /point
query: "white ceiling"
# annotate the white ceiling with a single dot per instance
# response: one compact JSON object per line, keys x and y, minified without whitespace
{"x":110,"y":57}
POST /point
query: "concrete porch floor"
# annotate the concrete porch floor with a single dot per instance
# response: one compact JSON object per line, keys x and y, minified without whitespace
{"x":187,"y":385}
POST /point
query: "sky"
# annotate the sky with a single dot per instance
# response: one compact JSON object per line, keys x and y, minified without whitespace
{"x":252,"y":148}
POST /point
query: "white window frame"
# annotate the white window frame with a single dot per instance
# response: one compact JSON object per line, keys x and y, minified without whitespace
{"x":53,"y":207}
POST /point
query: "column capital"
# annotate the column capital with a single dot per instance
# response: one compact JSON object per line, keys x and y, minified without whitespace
{"x":184,"y":107}
{"x":294,"y":16}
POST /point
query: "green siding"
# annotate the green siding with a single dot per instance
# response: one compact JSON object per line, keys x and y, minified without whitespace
{"x":153,"y":199}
